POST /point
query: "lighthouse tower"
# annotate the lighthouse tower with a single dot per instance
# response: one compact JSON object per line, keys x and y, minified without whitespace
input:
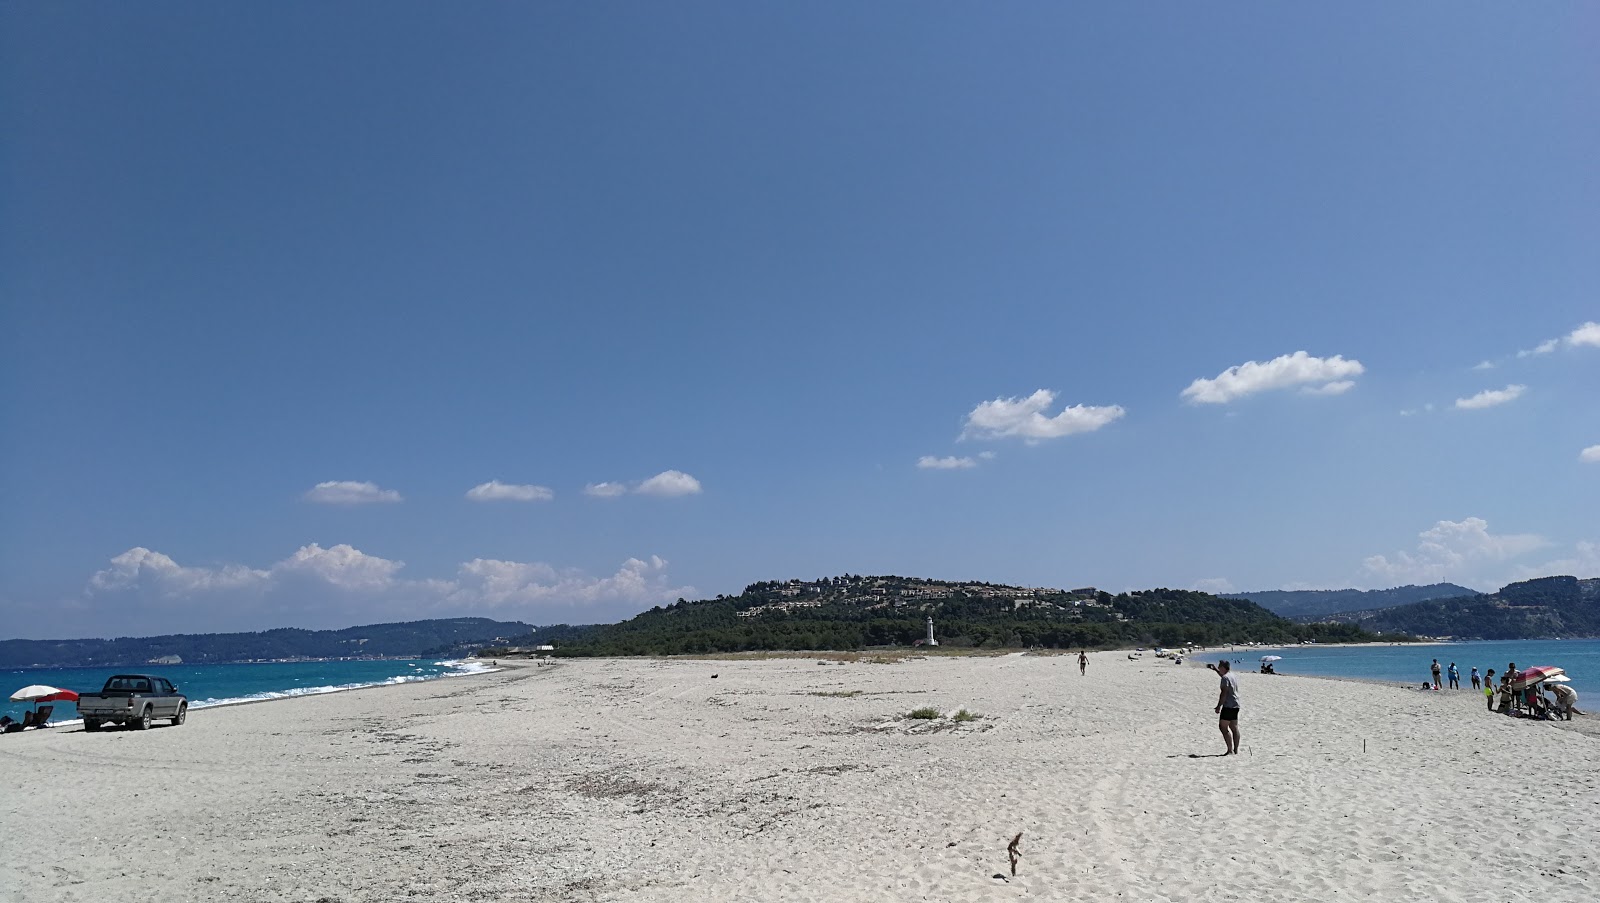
{"x":929,"y":640}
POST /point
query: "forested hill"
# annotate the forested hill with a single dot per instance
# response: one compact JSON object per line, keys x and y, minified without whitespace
{"x":853,"y":612}
{"x":1532,"y":609}
{"x":412,"y":638}
{"x":1309,"y":605}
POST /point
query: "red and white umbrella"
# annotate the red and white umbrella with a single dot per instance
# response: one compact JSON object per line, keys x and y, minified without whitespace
{"x":43,"y":693}
{"x":1530,"y":676}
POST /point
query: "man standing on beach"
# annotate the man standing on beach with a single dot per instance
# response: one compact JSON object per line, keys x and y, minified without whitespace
{"x":1228,"y":708}
{"x":1455,"y":677}
{"x":1083,"y":663}
{"x":1436,"y":670}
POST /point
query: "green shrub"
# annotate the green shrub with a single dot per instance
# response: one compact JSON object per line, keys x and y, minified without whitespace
{"x":964,"y":715}
{"x":927,"y":713}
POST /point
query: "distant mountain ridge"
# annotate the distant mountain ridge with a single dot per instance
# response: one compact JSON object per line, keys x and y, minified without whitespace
{"x":440,"y":637}
{"x":1544,"y":608}
{"x":1310,"y":605}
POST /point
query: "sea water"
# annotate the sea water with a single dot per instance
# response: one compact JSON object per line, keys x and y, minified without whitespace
{"x":1410,"y":664}
{"x":212,"y":685}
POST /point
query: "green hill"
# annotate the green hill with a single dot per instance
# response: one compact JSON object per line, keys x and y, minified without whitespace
{"x":853,"y":612}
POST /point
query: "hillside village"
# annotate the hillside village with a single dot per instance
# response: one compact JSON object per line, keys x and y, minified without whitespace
{"x":906,"y":593}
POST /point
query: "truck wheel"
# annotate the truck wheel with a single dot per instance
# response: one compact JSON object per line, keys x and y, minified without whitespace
{"x":183,"y":712}
{"x":90,"y":724}
{"x":143,"y":724}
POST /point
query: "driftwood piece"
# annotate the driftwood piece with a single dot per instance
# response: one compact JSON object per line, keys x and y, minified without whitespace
{"x":1014,"y":852}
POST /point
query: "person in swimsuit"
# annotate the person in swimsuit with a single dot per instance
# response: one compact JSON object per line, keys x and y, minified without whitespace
{"x":1083,"y":663}
{"x":1228,"y":708}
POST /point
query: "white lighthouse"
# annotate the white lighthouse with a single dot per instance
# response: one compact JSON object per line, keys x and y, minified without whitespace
{"x":929,"y":640}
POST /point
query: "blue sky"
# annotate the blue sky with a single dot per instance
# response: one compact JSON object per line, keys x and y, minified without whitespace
{"x":321,"y":315}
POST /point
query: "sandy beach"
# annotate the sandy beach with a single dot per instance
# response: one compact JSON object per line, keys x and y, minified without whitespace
{"x":800,"y":779}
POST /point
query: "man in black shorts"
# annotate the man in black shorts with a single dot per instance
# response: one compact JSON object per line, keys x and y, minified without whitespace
{"x":1228,"y":708}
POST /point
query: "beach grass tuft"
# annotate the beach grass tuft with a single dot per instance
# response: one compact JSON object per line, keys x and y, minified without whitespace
{"x":926,"y":713}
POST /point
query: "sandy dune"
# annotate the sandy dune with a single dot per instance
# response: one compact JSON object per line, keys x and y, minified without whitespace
{"x":690,"y":780}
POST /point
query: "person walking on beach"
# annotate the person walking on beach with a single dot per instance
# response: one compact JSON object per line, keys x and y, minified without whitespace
{"x":1488,"y":687}
{"x":1083,"y":663}
{"x":1228,"y":708}
{"x":1475,"y":683}
{"x":1455,"y":677}
{"x":1436,"y":670}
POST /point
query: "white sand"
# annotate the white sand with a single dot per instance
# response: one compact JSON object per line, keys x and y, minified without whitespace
{"x":645,"y":780}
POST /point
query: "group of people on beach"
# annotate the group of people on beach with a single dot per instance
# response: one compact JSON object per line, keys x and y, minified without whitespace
{"x":1503,"y":696}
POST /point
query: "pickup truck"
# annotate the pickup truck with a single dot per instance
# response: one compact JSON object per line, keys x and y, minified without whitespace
{"x":133,"y":700}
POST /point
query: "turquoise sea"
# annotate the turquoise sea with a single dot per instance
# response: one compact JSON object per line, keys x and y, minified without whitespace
{"x":211,"y":685}
{"x":1409,"y":664}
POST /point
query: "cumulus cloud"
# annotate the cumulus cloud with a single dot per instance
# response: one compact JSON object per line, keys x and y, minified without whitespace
{"x":341,"y":585}
{"x":605,"y":490}
{"x":1322,"y":374}
{"x":1488,"y":398}
{"x":669,"y":484}
{"x":1584,"y":562}
{"x":929,"y":462}
{"x":1586,"y":335}
{"x":1334,"y":388}
{"x":1590,"y":455}
{"x":1213,"y":585}
{"x":1544,"y":347}
{"x":496,"y":491}
{"x":350,"y":492}
{"x":1462,"y":551}
{"x":1026,"y":418}
{"x":140,"y":566}
{"x":1484,"y":365}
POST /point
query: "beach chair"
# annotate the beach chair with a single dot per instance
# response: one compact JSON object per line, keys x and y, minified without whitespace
{"x":41,"y":718}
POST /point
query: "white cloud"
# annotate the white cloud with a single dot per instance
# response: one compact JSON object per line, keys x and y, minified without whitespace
{"x":1586,"y":335}
{"x":498,"y":584}
{"x":1484,"y":365}
{"x":1025,"y":417}
{"x":1334,"y":388}
{"x":605,"y":490}
{"x":1590,"y":455}
{"x":1542,"y":348}
{"x":341,"y":585}
{"x":350,"y":492}
{"x":1453,"y":551}
{"x":1488,"y":398}
{"x":1425,"y":409}
{"x":929,"y":462}
{"x":1213,"y":585}
{"x":342,"y":566}
{"x":140,"y":566}
{"x":670,"y":484}
{"x":1584,"y":562}
{"x":1283,"y":372}
{"x":495,"y":491}
{"x":986,"y":455}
